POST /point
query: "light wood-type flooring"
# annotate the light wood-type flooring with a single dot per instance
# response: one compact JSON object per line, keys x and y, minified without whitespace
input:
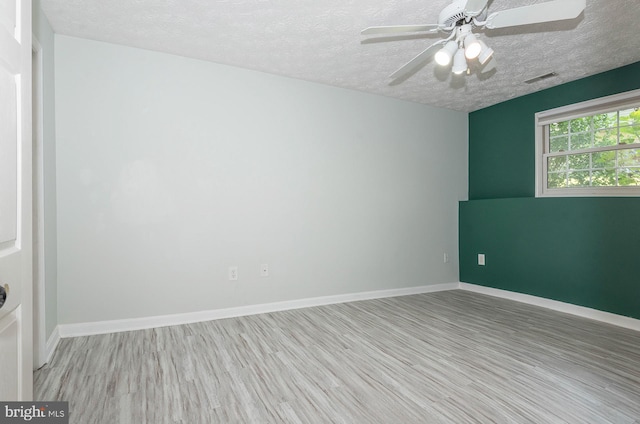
{"x":447,"y":357}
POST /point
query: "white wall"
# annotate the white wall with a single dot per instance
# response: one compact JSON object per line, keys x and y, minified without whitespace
{"x":171,"y":169}
{"x":43,"y":32}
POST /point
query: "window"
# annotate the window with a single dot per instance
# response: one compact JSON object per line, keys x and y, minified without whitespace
{"x":590,"y":148}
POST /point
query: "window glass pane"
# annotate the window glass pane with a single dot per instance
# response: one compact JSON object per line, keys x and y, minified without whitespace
{"x":579,"y":179}
{"x":580,"y":141}
{"x":557,"y":163}
{"x":630,"y":117}
{"x":603,"y":178}
{"x":630,"y":157}
{"x":604,"y":159}
{"x":629,"y":177}
{"x":630,"y":134}
{"x":605,"y":120}
{"x":559,"y":144}
{"x":604,"y":138}
{"x":601,"y":150}
{"x":580,"y":124}
{"x":579,"y":161}
{"x":559,"y":128}
{"x":556,"y":180}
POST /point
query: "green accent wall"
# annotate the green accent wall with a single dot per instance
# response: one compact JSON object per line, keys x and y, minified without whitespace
{"x":584,"y":251}
{"x":502,"y":137}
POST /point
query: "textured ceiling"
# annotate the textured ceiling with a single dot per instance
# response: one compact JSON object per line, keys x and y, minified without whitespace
{"x":319,"y":40}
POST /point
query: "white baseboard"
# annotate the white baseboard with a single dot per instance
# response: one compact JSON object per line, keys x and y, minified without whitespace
{"x":52,"y":343}
{"x":116,"y":326}
{"x":581,"y":311}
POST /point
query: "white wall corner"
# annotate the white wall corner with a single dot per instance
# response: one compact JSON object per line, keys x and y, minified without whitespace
{"x":52,"y":344}
{"x":115,"y":326}
{"x":568,"y":308}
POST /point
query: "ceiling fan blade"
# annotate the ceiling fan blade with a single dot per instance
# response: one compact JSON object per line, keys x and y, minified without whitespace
{"x":417,"y":61}
{"x":399,"y":28}
{"x":557,"y":10}
{"x":475,"y":7}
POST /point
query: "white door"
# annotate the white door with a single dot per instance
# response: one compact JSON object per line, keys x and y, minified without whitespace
{"x":16,"y":343}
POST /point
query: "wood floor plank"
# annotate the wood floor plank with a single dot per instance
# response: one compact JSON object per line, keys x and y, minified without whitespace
{"x":446,"y":357}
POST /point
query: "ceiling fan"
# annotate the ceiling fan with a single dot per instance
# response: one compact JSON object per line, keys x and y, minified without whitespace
{"x":462,"y":47}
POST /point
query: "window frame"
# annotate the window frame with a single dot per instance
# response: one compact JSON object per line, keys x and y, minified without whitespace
{"x":545,"y":118}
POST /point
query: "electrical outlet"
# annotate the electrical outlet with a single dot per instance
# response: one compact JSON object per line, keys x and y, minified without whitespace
{"x":233,"y":273}
{"x":446,"y":258}
{"x":481,"y":259}
{"x":264,"y":270}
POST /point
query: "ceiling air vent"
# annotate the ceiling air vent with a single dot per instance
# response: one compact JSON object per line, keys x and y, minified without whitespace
{"x":541,"y":77}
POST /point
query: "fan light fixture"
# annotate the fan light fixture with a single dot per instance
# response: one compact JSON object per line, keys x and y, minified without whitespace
{"x":459,"y":63}
{"x":464,"y":48}
{"x":445,"y":54}
{"x":472,"y":47}
{"x":485,"y":53}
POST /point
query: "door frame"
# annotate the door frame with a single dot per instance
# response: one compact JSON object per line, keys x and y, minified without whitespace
{"x":16,"y":255}
{"x":39,"y":283}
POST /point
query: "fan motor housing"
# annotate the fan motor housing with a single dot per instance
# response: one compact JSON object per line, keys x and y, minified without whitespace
{"x":453,"y":13}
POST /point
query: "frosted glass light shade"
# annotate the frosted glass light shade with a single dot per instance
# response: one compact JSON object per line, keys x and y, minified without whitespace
{"x":459,"y":62}
{"x":472,"y":47}
{"x":445,"y":54}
